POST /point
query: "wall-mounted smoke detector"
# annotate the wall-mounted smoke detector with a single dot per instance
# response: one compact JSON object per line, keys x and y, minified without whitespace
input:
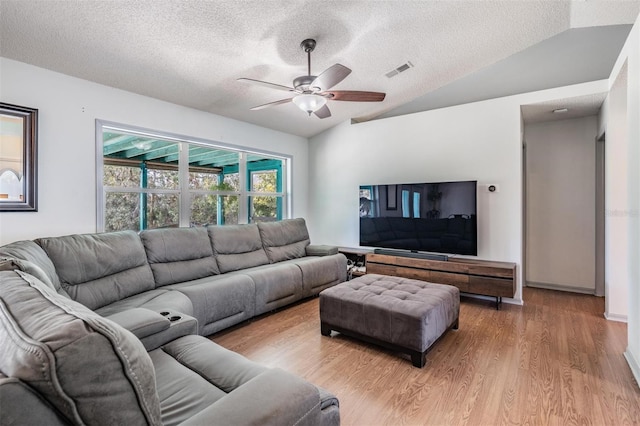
{"x":398,"y":70}
{"x":560,"y":110}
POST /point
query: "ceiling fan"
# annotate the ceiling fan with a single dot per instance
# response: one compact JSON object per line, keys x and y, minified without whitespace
{"x":312,"y":92}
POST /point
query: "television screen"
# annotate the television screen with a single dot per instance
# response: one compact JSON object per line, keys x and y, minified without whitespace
{"x":437,"y":217}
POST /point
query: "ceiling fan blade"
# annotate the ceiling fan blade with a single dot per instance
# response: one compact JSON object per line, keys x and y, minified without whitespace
{"x":323,"y":112}
{"x":274,"y":103}
{"x":266,"y":84}
{"x":354,"y":96}
{"x":330,"y":77}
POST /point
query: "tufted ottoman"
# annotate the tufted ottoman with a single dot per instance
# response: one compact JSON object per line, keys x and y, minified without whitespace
{"x":401,"y":314}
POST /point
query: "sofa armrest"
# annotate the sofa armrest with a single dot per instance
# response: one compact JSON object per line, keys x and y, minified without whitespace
{"x":140,"y":321}
{"x":274,"y":397}
{"x":320,"y":250}
{"x":155,"y":329}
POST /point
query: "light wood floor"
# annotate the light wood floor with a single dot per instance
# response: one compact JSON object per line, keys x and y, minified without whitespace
{"x":555,"y":360}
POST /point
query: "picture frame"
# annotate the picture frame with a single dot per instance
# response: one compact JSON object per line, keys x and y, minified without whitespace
{"x":392,"y":197}
{"x":18,"y":158}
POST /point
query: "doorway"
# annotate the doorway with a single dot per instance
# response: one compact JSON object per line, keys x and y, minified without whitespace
{"x":563,"y":196}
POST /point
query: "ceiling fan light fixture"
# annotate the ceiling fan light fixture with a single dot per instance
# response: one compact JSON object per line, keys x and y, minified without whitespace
{"x":309,"y":103}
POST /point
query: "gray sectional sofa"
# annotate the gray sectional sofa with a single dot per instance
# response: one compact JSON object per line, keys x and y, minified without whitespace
{"x":165,"y":287}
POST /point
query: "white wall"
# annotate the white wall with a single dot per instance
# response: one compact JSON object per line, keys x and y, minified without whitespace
{"x":622,"y":199}
{"x":68,"y":108}
{"x":560,"y":202}
{"x":479,"y":141}
{"x":633,"y":113}
{"x":617,"y":208}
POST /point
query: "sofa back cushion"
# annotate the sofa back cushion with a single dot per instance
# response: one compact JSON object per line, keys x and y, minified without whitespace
{"x":179,"y":254}
{"x":237,"y":247}
{"x":285,"y":239}
{"x":31,"y":259}
{"x":87,"y":367}
{"x":99,"y":269}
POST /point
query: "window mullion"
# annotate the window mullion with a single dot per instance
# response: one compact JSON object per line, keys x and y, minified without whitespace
{"x":143,"y":196}
{"x":243,"y":202}
{"x":183,"y":176}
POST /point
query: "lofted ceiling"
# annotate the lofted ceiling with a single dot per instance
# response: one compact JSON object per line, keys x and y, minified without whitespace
{"x":192,"y":52}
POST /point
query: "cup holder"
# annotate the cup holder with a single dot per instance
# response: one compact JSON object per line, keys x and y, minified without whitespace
{"x":175,"y":318}
{"x":164,"y":313}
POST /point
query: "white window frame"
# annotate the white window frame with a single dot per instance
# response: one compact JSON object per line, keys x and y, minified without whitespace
{"x":183,"y":171}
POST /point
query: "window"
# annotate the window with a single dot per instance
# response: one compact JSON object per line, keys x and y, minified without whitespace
{"x":265,"y":177}
{"x":150,"y":180}
{"x":214,"y":196}
{"x":406,"y":210}
{"x":410,"y":203}
{"x":367,"y":202}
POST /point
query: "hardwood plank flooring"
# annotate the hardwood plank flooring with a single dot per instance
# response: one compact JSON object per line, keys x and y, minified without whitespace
{"x":553,"y":361}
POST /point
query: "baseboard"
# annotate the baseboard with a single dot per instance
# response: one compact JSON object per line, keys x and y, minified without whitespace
{"x":559,"y":287}
{"x":512,"y":301}
{"x":634,"y":365}
{"x":615,"y":317}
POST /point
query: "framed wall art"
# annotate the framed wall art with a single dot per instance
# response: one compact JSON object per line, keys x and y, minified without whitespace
{"x":18,"y":158}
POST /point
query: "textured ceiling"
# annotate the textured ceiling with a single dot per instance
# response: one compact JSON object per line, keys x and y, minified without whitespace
{"x":191,"y":52}
{"x":574,"y":56}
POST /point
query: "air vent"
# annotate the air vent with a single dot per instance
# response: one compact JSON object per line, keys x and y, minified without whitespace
{"x":398,"y":70}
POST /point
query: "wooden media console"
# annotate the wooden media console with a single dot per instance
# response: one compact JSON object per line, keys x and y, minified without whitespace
{"x":487,"y":278}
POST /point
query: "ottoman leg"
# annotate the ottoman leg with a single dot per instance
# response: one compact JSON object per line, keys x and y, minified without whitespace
{"x":325,"y":330}
{"x":417,"y":358}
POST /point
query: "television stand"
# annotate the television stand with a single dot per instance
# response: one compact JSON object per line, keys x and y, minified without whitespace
{"x":482,"y":277}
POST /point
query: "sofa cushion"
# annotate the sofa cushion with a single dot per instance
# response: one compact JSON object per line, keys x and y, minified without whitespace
{"x":34,"y":261}
{"x":98,"y":269}
{"x":319,"y":273}
{"x":182,"y":392}
{"x":237,"y":246}
{"x":276,"y":285}
{"x":220,"y":301}
{"x":231,"y":390}
{"x":179,"y":254}
{"x":205,"y":372}
{"x":84,"y":365}
{"x":285,"y":239}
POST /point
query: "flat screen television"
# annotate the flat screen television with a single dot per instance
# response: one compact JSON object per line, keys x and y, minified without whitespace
{"x":436,"y":217}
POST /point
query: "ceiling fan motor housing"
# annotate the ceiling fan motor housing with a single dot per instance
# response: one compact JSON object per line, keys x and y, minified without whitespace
{"x":308,"y":45}
{"x":302,"y":84}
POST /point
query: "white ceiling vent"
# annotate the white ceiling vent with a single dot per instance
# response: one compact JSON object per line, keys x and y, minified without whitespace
{"x":398,"y":70}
